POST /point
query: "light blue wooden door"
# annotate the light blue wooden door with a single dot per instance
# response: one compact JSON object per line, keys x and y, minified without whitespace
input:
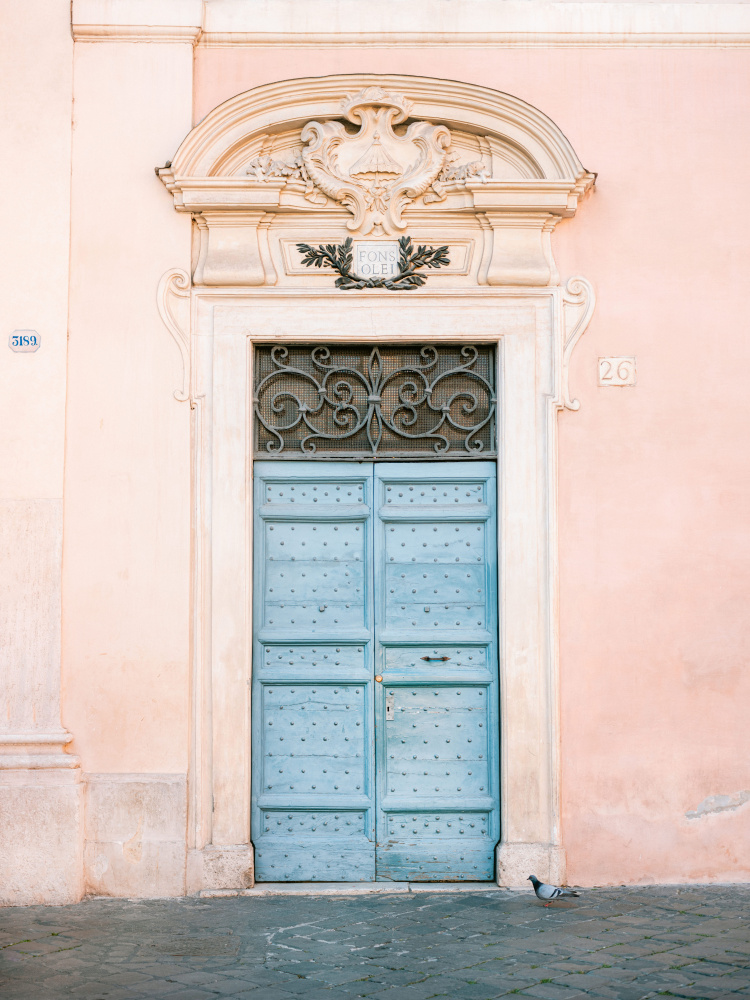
{"x":375,"y":703}
{"x":436,"y":650}
{"x":313,"y":760}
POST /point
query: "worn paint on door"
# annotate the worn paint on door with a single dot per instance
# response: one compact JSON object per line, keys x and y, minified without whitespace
{"x":375,"y":703}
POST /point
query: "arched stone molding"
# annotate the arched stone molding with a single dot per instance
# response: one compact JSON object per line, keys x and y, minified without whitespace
{"x":480,"y":170}
{"x":297,"y":162}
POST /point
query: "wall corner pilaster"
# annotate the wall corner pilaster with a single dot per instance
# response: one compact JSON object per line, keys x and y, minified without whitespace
{"x":41,"y":836}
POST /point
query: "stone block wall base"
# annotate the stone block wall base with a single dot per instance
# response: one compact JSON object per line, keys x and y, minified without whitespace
{"x":41,"y":836}
{"x":221,"y":868}
{"x":135,"y":835}
{"x":515,"y":862}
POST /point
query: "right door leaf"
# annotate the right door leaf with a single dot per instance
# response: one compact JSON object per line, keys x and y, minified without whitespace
{"x":436,"y":649}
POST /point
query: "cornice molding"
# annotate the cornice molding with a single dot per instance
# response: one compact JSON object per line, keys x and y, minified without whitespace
{"x":159,"y":34}
{"x":162,"y":21}
{"x":419,"y":24}
{"x":481,"y":40}
{"x":37,"y":751}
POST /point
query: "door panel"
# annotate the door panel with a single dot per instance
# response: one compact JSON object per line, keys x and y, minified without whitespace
{"x":364,"y":571}
{"x":315,"y":575}
{"x":313,"y":789}
{"x":436,"y":649}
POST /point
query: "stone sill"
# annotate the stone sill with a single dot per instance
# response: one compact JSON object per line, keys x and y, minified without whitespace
{"x":350,"y":888}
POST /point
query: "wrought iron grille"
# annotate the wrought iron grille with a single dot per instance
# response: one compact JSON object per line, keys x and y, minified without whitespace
{"x":365,"y":402}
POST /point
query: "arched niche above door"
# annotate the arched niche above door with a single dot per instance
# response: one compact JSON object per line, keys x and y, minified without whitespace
{"x":376,"y":157}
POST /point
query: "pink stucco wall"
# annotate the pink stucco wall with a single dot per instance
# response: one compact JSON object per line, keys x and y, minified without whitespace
{"x":654,"y":481}
{"x":126,"y":559}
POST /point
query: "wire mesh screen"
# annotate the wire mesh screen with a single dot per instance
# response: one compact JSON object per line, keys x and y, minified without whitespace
{"x":358,"y":401}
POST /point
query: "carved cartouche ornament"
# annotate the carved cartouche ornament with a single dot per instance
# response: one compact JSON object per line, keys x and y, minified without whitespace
{"x":374,"y":172}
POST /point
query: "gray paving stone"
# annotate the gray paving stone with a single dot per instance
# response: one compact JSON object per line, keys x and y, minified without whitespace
{"x":711,"y":985}
{"x":620,"y":993}
{"x":191,"y":994}
{"x":261,"y":976}
{"x":268,"y":993}
{"x":161,"y":969}
{"x":734,"y":982}
{"x":165,"y":989}
{"x":619,"y":944}
{"x":591,"y":982}
{"x":359,"y":988}
{"x":402,"y":993}
{"x":548,"y":991}
{"x":95,"y":991}
{"x":339,"y":977}
{"x":330,"y":993}
{"x":229,"y":986}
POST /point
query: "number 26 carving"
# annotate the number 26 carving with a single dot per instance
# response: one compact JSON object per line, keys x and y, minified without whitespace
{"x":617,"y":371}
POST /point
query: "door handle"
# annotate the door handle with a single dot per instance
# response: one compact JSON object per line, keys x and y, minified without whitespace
{"x":441,"y":659}
{"x":378,"y":678}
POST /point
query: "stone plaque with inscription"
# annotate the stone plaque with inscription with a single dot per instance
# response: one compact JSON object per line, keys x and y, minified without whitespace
{"x":376,"y":259}
{"x":617,"y":371}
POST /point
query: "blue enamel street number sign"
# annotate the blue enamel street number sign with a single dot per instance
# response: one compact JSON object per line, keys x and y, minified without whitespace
{"x":24,"y":341}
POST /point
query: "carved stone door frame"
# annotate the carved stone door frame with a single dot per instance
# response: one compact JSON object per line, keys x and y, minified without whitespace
{"x":266,"y":176}
{"x":533,"y":330}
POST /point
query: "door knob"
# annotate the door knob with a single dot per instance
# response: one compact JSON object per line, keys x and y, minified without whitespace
{"x":379,"y":678}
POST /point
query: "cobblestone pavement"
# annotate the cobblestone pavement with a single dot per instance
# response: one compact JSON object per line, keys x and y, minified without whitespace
{"x":618,"y":943}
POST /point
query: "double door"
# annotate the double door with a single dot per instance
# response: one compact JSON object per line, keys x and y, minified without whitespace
{"x":375,"y":701}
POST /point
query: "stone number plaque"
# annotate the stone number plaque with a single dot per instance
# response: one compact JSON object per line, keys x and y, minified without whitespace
{"x":617,"y":371}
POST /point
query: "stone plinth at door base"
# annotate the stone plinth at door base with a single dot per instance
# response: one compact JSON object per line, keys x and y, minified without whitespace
{"x":221,"y":868}
{"x":515,"y":862}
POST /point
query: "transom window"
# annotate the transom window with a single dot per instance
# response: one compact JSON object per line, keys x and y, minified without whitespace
{"x":364,"y":401}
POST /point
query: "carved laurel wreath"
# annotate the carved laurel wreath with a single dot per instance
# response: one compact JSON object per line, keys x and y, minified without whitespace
{"x":339,"y":257}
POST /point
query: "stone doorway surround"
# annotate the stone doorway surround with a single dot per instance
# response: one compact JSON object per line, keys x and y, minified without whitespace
{"x":490,"y":177}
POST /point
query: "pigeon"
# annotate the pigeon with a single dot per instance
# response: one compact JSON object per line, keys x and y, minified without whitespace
{"x":549,"y":892}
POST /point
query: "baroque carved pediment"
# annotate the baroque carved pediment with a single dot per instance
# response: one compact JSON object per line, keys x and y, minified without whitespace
{"x":315,"y":160}
{"x":376,"y":171}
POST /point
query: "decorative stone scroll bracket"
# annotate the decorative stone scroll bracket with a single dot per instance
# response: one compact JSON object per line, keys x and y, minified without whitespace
{"x":173,"y":303}
{"x":578,"y":308}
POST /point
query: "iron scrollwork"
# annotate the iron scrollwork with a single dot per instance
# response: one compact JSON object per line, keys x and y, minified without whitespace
{"x":339,"y":258}
{"x":365,"y":402}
